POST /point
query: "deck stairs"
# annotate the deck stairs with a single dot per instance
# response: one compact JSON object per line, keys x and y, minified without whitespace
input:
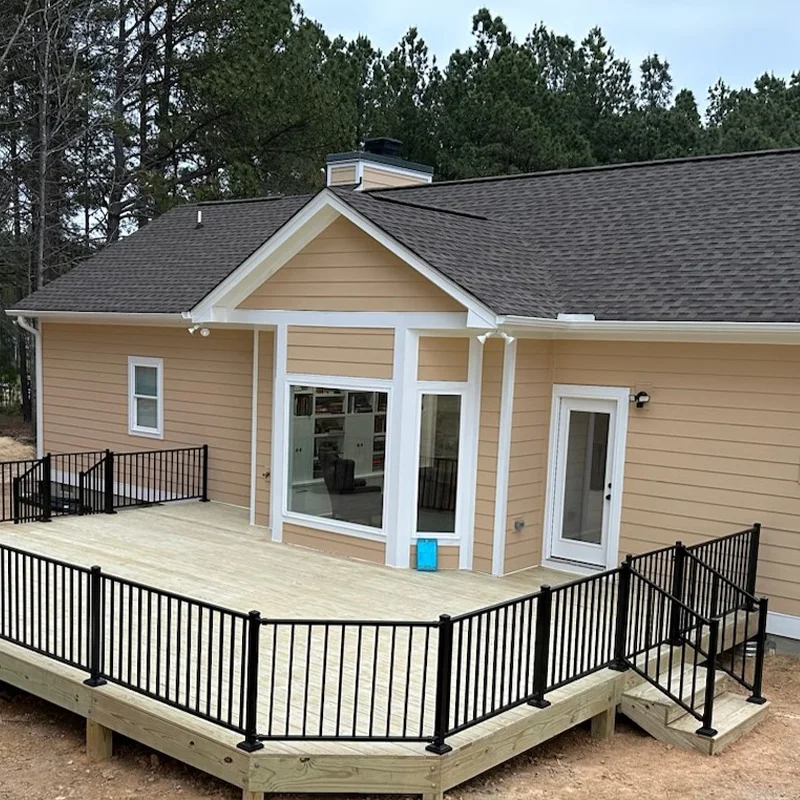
{"x":664,"y":719}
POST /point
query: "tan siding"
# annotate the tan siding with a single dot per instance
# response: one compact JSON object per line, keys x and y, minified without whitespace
{"x":266,"y":363}
{"x":377,"y":178}
{"x":207,"y":395}
{"x":491,"y":386}
{"x":528,"y":457}
{"x":344,"y":269}
{"x":342,"y":176}
{"x":443,"y":358}
{"x":353,"y":352}
{"x":340,"y":544}
{"x":447,"y":556}
{"x":717,"y":448}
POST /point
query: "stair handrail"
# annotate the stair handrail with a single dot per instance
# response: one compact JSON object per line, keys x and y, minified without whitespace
{"x":663,"y":613}
{"x":751,"y":604}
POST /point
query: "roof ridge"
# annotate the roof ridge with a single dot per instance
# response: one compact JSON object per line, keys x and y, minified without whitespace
{"x":235,"y":200}
{"x":597,"y":168}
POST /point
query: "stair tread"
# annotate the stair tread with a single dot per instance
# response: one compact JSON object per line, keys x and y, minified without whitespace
{"x":730,"y":711}
{"x":646,"y":692}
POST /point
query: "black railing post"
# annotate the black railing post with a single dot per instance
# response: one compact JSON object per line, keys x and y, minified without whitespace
{"x":95,"y":628}
{"x":444,"y":667}
{"x":711,"y":677}
{"x":620,"y":663}
{"x":204,"y":497}
{"x":15,"y":499}
{"x":108,"y":483}
{"x":47,"y":488}
{"x":676,"y":611}
{"x":752,"y":559}
{"x":541,"y":647}
{"x":761,"y":643}
{"x":251,"y":742}
{"x":81,"y":493}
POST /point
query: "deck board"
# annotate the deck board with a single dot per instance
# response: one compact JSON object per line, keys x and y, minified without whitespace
{"x":210,"y":552}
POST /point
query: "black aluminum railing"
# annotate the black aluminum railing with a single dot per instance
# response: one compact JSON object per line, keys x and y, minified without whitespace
{"x":382,"y":680}
{"x":100,"y":481}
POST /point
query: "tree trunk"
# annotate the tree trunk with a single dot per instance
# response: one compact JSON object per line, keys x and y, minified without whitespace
{"x":24,"y":378}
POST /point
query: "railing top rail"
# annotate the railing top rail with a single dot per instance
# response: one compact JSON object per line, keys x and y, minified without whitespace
{"x":33,"y":461}
{"x":729,"y":583}
{"x":175,"y":596}
{"x":121,"y":453}
{"x":78,"y":453}
{"x":650,"y":553}
{"x":716,"y":539}
{"x":496,"y":606}
{"x":30,"y":469}
{"x":587,"y":579}
{"x":97,"y":465}
{"x":675,"y":600}
{"x":55,"y":561}
{"x":366,"y":623}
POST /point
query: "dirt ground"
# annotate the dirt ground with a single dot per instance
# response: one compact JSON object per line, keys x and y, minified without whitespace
{"x":42,"y":758}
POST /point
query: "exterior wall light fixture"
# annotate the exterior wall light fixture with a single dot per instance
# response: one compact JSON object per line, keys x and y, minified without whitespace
{"x":641,"y":399}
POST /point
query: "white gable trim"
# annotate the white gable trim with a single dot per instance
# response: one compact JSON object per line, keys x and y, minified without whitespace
{"x":295,"y":234}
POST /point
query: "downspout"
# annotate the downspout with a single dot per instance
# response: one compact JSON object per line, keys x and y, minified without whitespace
{"x":37,"y":338}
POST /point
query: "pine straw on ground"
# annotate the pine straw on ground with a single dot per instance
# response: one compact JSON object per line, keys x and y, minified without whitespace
{"x":13,"y":449}
{"x":42,"y":758}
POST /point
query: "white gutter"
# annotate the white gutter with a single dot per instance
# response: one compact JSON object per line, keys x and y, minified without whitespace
{"x":105,"y":317}
{"x":37,"y":337}
{"x":775,"y":332}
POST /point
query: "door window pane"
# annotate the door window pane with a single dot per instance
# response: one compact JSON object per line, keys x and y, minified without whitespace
{"x":337,"y":440}
{"x":584,"y":482}
{"x":438,"y":463}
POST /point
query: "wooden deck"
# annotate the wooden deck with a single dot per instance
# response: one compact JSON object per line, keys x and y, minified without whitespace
{"x":209,"y":552}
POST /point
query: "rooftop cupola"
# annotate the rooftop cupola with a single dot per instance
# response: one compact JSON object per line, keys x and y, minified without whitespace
{"x":377,"y":166}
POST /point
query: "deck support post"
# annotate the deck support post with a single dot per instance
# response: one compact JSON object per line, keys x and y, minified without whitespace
{"x":99,"y":741}
{"x":604,"y":723}
{"x":248,"y":795}
{"x":433,"y":796}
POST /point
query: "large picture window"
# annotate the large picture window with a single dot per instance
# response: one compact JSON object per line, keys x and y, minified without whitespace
{"x":337,"y":450}
{"x":438,"y":463}
{"x":145,"y":396}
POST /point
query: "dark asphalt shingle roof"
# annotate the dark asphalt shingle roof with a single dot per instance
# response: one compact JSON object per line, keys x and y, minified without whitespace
{"x":696,"y":239}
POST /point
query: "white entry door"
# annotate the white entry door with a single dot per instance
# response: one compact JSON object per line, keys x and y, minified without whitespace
{"x":585,"y":480}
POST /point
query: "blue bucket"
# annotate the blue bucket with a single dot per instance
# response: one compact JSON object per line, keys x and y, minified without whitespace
{"x":427,"y":555}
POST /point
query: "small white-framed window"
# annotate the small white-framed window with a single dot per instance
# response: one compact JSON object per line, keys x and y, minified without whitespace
{"x":146,"y":396}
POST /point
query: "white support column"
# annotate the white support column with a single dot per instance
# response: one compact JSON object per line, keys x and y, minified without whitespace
{"x":254,"y":431}
{"x":469,"y":451}
{"x":503,"y":457}
{"x":280,"y":421}
{"x":399,"y":509}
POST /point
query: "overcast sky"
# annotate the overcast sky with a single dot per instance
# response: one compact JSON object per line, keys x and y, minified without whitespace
{"x":702,"y":39}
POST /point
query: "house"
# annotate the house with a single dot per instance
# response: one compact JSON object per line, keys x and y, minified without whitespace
{"x":557,"y":368}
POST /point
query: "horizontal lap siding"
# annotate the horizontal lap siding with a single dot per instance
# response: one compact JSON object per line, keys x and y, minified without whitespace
{"x":717,"y":448}
{"x":266,"y":365}
{"x":530,"y":423}
{"x":491,"y":386}
{"x":342,"y":176}
{"x":376,"y":178}
{"x":443,"y":358}
{"x":207,"y":395}
{"x":344,"y":269}
{"x":337,"y":543}
{"x":352,"y":352}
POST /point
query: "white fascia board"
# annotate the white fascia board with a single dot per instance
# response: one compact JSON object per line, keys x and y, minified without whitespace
{"x":304,"y":226}
{"x":734,"y":332}
{"x":103,"y":318}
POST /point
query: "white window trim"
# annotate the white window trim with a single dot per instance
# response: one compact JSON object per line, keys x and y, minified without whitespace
{"x":622,"y":398}
{"x":323,"y":523}
{"x":133,"y":428}
{"x":444,"y":388}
